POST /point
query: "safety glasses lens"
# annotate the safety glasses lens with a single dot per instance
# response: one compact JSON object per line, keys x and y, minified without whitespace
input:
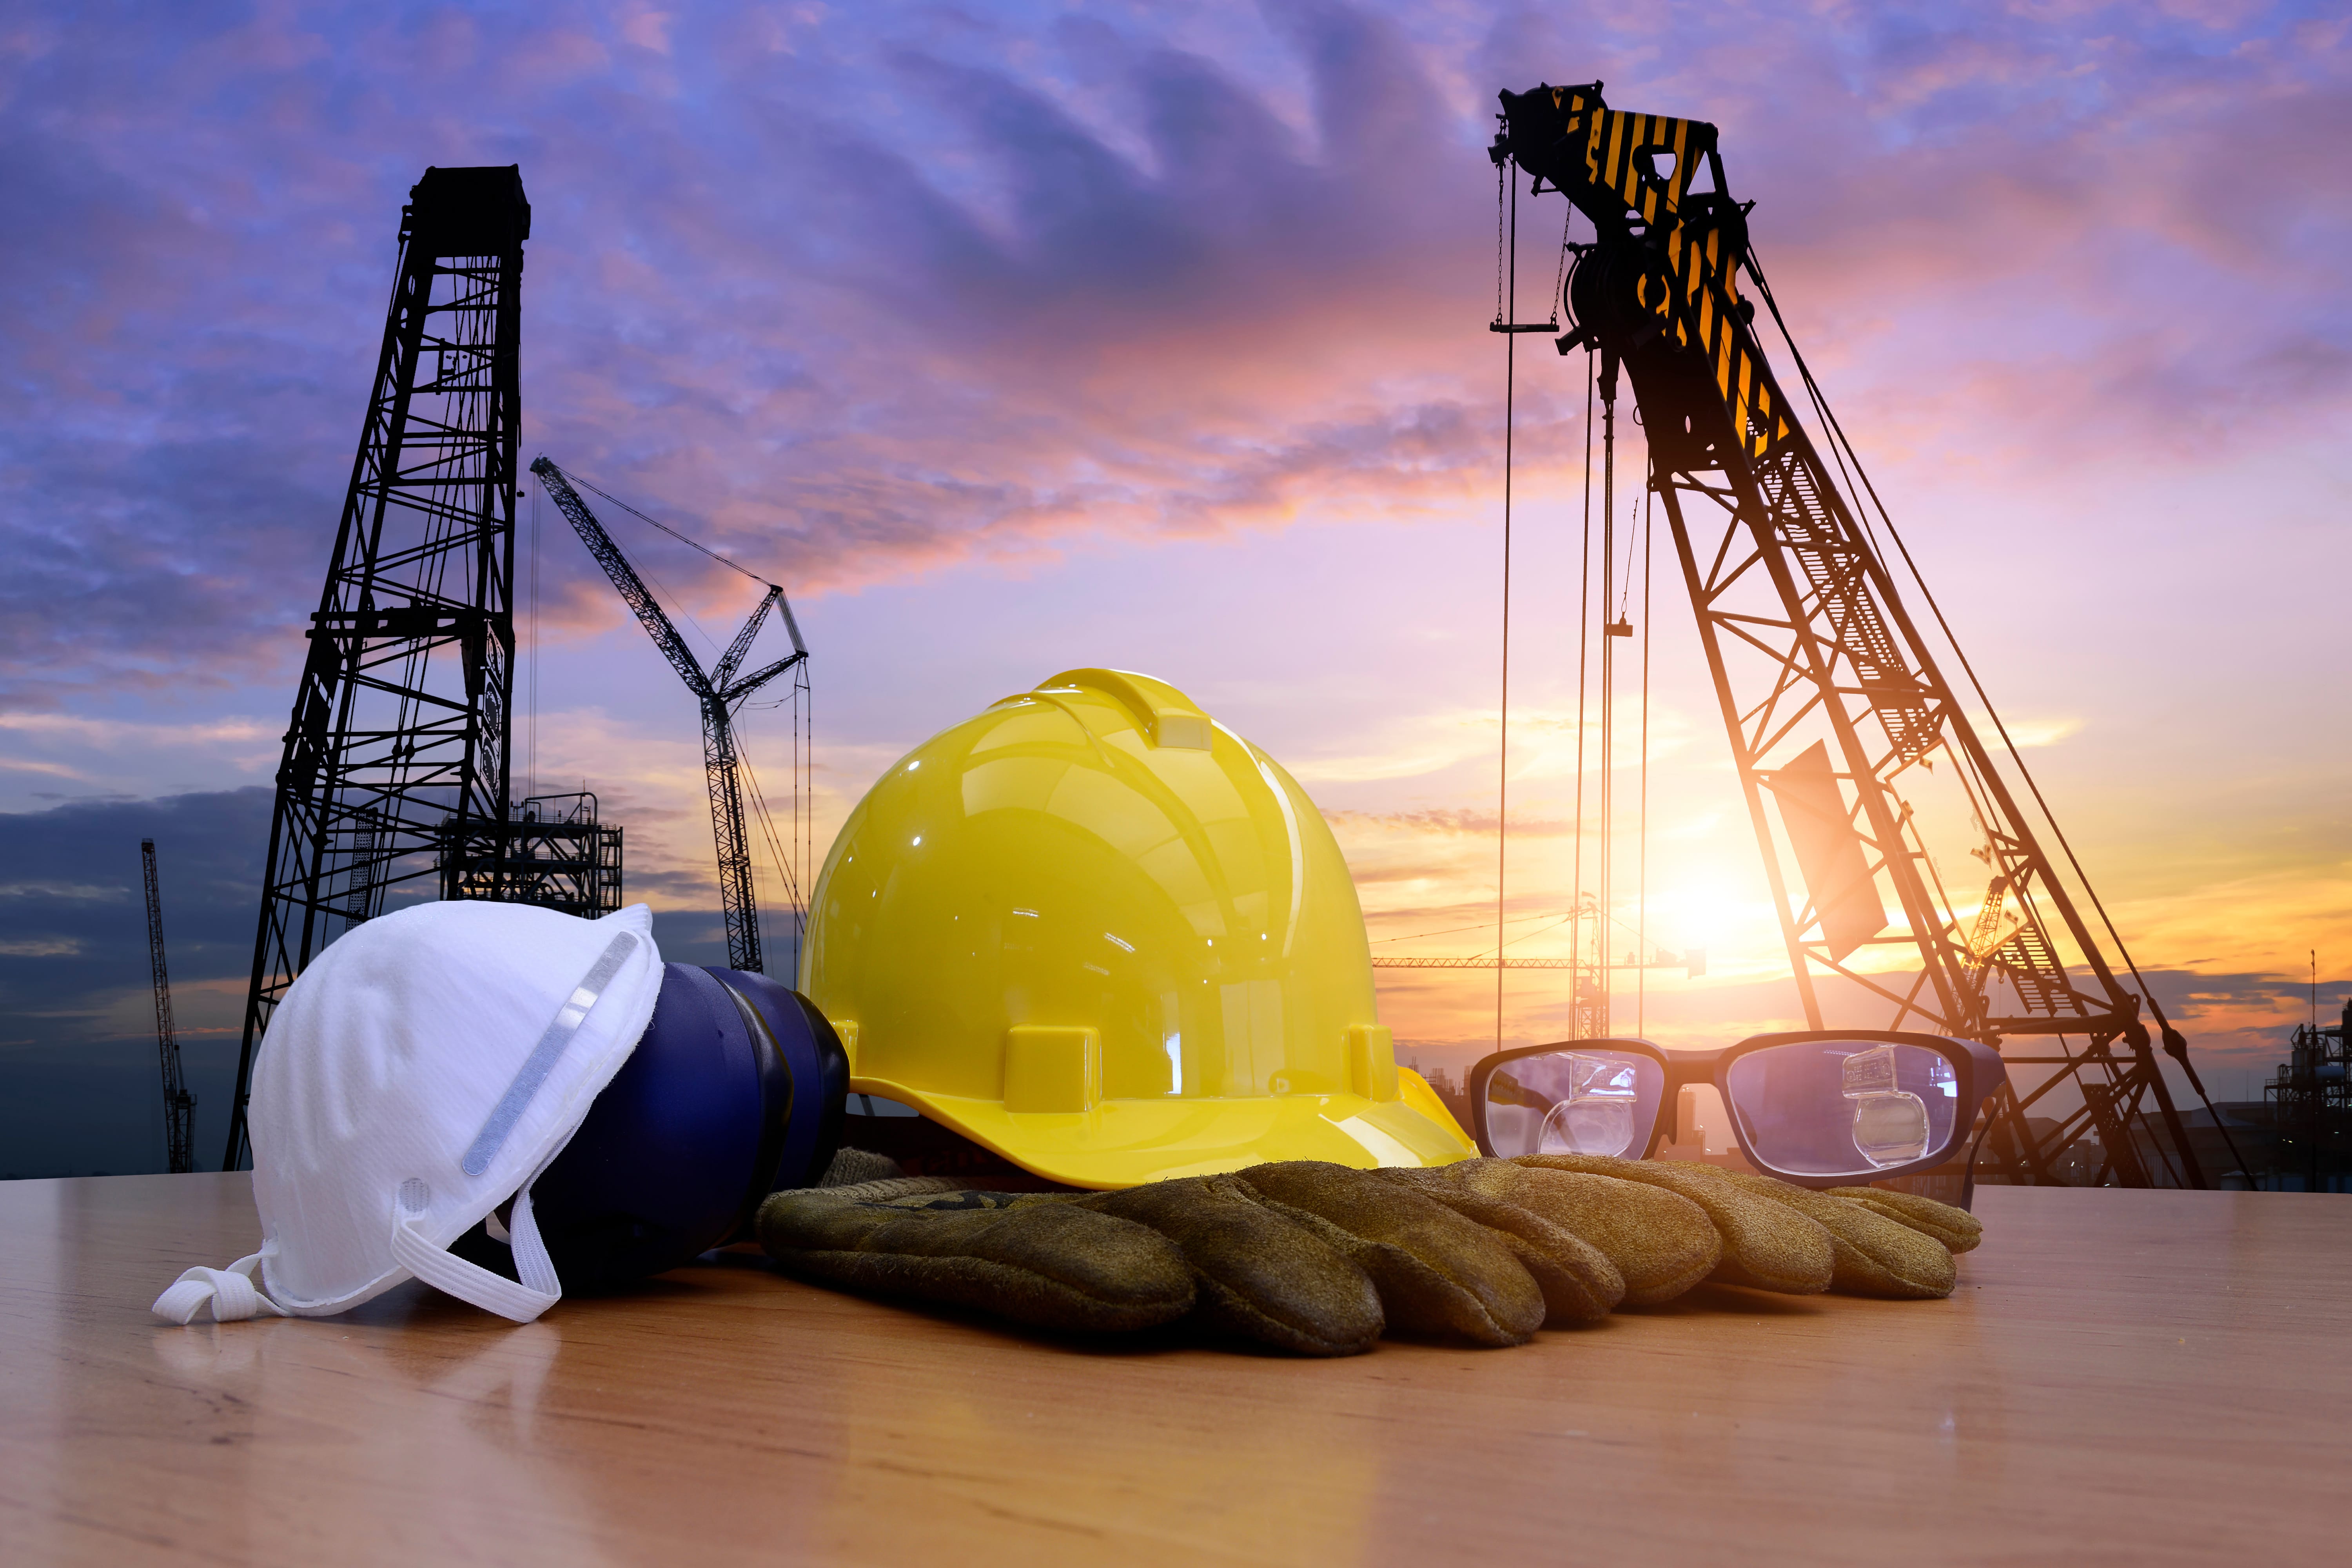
{"x":1833,"y":1108}
{"x":1573,"y":1102}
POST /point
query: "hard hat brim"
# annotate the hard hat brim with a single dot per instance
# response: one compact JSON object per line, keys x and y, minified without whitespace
{"x":1127,"y":1143}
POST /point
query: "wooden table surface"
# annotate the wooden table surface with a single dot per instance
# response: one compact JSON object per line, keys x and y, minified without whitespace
{"x":2123,"y":1376}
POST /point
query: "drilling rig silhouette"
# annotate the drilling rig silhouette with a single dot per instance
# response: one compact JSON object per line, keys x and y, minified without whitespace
{"x":397,"y":771}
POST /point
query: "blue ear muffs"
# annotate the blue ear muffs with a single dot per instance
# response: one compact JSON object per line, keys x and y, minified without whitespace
{"x":819,"y":1071}
{"x":736,"y":1089}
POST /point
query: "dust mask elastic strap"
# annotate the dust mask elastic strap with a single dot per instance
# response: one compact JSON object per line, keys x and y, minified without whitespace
{"x":231,"y":1291}
{"x":443,"y":1270}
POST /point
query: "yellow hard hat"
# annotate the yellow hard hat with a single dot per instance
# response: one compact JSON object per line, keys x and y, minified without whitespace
{"x":1106,"y":937}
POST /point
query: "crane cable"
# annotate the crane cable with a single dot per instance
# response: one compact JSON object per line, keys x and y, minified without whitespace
{"x":1641,"y":832}
{"x":531,"y":765}
{"x":1606,"y":879}
{"x":661,"y":589}
{"x":1583,"y":641}
{"x":682,"y":539}
{"x":1506,"y":313}
{"x":1507,"y":307}
{"x":1451,"y":930}
{"x":784,"y":867}
{"x":1510,"y":391}
{"x":1837,"y":431}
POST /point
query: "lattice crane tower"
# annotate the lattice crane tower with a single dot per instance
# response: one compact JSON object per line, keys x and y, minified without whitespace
{"x":179,"y":1105}
{"x":718,"y":692}
{"x":396,"y":755}
{"x":1893,"y":830}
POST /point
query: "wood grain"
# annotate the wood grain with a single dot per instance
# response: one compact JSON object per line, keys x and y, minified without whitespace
{"x":2143,"y":1378}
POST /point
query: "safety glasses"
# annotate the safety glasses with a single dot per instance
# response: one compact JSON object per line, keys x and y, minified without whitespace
{"x":1820,"y":1108}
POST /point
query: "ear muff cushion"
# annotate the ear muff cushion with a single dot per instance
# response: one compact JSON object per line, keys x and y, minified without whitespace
{"x":819,"y":1071}
{"x":665,"y":1165}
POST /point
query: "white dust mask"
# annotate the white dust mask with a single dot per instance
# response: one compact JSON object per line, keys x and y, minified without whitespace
{"x":424,"y":1069}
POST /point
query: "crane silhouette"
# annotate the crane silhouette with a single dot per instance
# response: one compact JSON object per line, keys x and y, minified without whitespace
{"x":719,"y":691}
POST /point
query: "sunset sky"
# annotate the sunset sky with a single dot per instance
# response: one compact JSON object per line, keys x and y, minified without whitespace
{"x":1015,"y":336}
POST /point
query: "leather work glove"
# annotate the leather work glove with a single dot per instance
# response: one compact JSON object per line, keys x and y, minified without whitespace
{"x":1315,"y":1258}
{"x":1766,"y":1245}
{"x":1319,"y":1259}
{"x":1859,"y":1241}
{"x":1957,"y":1228}
{"x":1873,"y":1256}
{"x":1053,"y":1265}
{"x":1658,"y":1243}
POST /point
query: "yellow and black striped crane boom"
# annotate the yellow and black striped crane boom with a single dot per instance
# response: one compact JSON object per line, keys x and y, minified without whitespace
{"x":1836,"y":707}
{"x":1638,"y":170}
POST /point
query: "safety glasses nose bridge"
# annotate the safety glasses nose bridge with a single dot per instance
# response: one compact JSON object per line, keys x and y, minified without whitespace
{"x":1690,"y":1069}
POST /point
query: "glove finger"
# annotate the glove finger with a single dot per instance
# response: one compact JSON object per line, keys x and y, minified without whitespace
{"x":1874,"y":1255}
{"x":1766,"y":1245}
{"x":1660,"y":1242}
{"x":1436,"y":1272}
{"x":1035,"y":1260}
{"x":1580,"y":1285}
{"x":1258,"y":1275}
{"x":1957,"y":1228}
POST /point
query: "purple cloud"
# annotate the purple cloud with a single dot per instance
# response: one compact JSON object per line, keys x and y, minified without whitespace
{"x":868,"y":294}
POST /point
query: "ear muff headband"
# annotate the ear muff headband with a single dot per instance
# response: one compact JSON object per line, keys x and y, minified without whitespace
{"x":819,"y":1074}
{"x":660,"y":1167}
{"x":754,"y":1056}
{"x":736,"y":1087}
